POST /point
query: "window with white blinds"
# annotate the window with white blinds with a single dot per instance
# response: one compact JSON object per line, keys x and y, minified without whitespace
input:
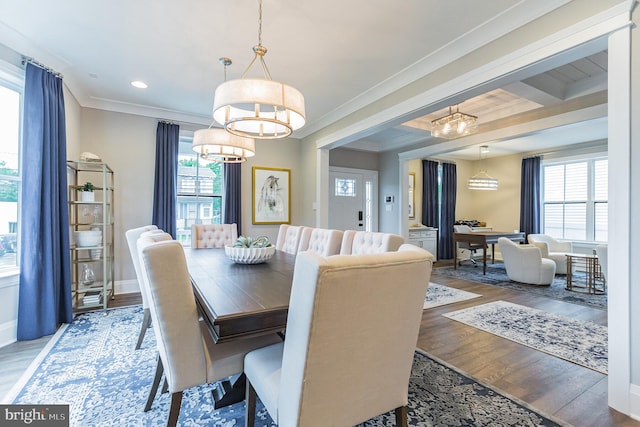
{"x":575,"y":196}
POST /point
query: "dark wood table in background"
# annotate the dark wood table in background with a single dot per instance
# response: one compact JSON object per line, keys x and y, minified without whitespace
{"x":483,"y":238}
{"x":238,"y":300}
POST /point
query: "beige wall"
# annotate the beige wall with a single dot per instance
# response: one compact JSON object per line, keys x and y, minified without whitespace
{"x":499,"y":209}
{"x":127,"y":144}
{"x":284,"y":154}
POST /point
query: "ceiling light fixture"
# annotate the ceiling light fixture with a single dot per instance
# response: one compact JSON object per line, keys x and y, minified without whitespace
{"x":482,"y":180}
{"x":139,"y":84}
{"x":259,"y":108}
{"x":218,"y":145}
{"x":454,"y":125}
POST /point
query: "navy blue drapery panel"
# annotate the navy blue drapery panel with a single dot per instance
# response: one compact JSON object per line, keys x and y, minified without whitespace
{"x":430,"y":193}
{"x":165,"y":185}
{"x":232,"y":197}
{"x":448,"y":211}
{"x":45,"y":269}
{"x":530,"y":188}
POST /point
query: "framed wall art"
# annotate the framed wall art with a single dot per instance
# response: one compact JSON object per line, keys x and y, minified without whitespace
{"x":271,"y":191}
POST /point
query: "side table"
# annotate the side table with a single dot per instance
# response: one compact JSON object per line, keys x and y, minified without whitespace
{"x":593,"y":282}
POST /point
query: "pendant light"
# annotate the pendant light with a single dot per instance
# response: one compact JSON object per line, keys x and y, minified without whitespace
{"x":258,"y":108}
{"x":482,"y":180}
{"x":218,"y":145}
{"x":454,"y":125}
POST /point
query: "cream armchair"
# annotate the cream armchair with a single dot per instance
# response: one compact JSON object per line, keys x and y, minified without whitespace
{"x":340,"y":306}
{"x":525,"y":264}
{"x":552,"y":249}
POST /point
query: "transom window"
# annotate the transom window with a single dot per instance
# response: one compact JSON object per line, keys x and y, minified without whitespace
{"x":575,"y":198}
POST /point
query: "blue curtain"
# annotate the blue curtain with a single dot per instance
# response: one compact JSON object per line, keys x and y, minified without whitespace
{"x":165,"y":185}
{"x":430,"y":193}
{"x":447,"y":211}
{"x":232,"y":195}
{"x":530,"y":189}
{"x":45,"y":269}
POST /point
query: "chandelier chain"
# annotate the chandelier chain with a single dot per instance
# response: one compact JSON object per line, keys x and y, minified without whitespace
{"x":259,"y":22}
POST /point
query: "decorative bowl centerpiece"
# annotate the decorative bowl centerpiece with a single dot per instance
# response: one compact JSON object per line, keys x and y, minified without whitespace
{"x":250,"y":251}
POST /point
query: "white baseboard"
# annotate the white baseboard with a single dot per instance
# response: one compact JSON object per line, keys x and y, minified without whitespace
{"x":8,"y":332}
{"x":634,"y":402}
{"x":126,"y":286}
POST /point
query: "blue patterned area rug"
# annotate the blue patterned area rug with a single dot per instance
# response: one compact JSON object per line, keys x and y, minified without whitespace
{"x":438,"y":295}
{"x":579,"y":341}
{"x":92,"y":366}
{"x":497,"y":276}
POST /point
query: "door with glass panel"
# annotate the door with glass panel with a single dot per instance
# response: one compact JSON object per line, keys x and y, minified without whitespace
{"x":353,"y":199}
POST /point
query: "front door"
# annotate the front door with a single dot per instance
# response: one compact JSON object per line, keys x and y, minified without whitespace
{"x":353,"y":199}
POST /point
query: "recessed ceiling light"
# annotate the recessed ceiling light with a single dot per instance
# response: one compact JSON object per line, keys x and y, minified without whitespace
{"x":139,"y":84}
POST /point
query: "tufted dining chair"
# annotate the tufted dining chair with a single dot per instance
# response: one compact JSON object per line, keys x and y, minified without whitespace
{"x":289,"y":238}
{"x":366,"y":242}
{"x":132,"y":237}
{"x":188,"y":355}
{"x":321,"y":241}
{"x":603,"y":258}
{"x":213,"y":235}
{"x":341,"y":306}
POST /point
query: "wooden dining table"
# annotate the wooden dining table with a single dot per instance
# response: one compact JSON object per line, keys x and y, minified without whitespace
{"x":241,"y":300}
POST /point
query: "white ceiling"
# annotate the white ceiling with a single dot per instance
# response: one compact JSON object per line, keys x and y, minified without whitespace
{"x":340,"y":55}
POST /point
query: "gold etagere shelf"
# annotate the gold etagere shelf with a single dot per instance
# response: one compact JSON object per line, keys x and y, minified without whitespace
{"x":92,"y":260}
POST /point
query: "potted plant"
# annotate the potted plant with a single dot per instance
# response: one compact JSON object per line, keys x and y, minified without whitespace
{"x":86,"y":193}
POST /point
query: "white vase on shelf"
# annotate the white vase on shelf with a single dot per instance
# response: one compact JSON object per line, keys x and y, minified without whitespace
{"x":87,"y":196}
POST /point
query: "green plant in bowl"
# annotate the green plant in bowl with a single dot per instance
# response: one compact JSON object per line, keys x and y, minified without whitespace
{"x":248,"y":242}
{"x":88,"y":186}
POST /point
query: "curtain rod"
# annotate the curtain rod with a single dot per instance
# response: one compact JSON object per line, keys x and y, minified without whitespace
{"x":28,"y":59}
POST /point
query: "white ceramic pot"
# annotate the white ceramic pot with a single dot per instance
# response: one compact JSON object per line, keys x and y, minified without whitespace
{"x":87,"y":196}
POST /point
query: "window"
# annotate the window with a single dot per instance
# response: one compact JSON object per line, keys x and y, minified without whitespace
{"x":575,"y":199}
{"x":11,"y":91}
{"x":199,"y":192}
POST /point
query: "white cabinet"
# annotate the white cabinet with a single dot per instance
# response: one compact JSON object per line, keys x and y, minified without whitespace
{"x":426,"y":238}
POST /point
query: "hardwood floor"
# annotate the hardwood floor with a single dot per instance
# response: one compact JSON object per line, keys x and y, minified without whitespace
{"x":567,"y":391}
{"x":563,"y":389}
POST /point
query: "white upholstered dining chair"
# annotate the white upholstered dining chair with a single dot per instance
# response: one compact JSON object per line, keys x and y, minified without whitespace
{"x":366,"y":242}
{"x":213,"y":235}
{"x":341,"y":306}
{"x":132,"y":237}
{"x":289,"y":238}
{"x":187,"y":353}
{"x":321,"y":241}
